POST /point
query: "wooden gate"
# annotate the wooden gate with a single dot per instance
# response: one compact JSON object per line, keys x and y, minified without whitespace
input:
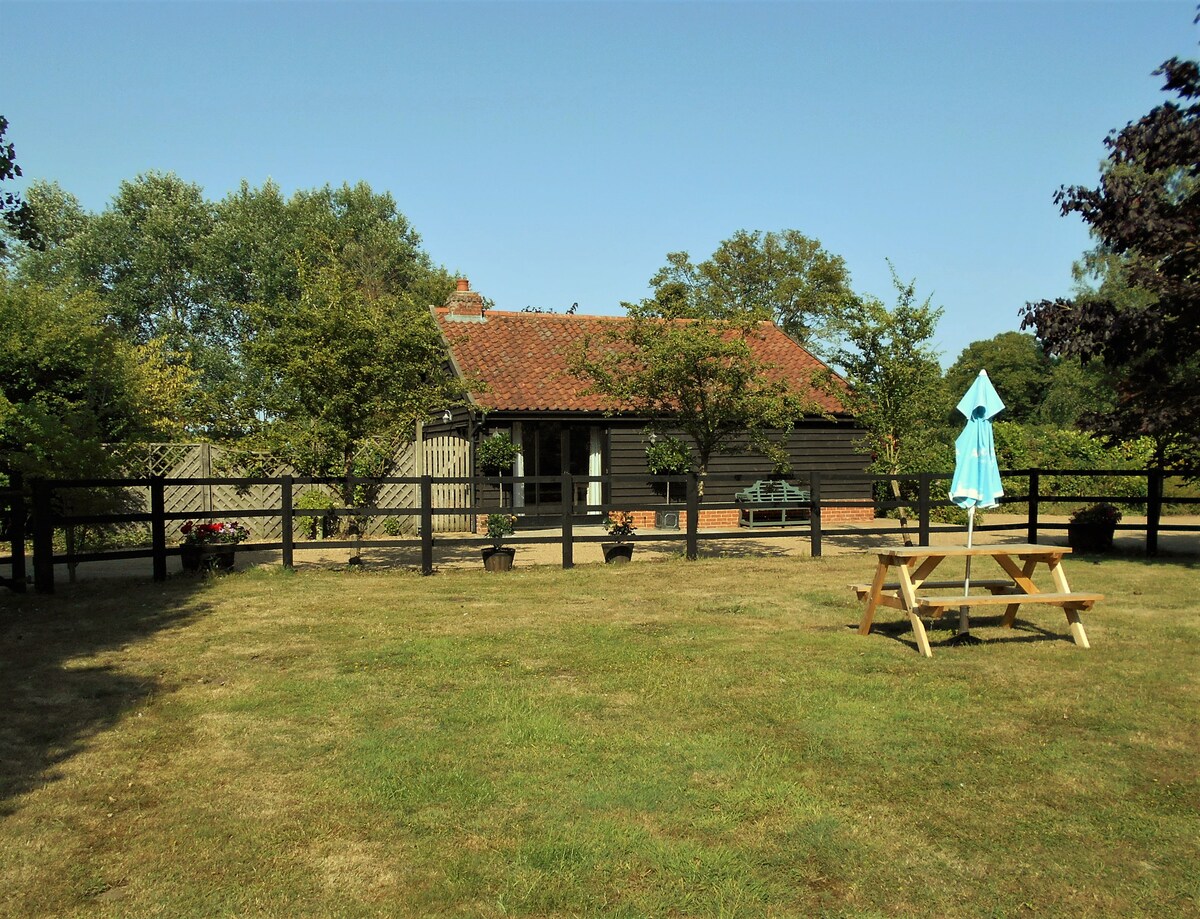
{"x":448,"y":457}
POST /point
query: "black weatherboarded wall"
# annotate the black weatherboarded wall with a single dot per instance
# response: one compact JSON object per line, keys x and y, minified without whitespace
{"x":816,"y":445}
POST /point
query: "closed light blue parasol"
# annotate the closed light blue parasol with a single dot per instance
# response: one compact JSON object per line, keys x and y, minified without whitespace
{"x":976,"y":481}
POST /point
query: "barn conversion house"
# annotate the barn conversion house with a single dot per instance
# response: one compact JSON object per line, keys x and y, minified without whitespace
{"x":518,"y":365}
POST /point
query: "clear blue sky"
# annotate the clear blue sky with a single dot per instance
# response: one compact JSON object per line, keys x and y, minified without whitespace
{"x":555,"y":152}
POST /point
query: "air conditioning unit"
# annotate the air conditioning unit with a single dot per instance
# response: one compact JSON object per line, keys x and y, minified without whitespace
{"x":666,"y":520}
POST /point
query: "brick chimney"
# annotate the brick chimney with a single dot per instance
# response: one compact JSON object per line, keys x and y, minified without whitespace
{"x":464,"y":304}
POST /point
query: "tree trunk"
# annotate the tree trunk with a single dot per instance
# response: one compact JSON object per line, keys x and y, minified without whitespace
{"x":903,"y":513}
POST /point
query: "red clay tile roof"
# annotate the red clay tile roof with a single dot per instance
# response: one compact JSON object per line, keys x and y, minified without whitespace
{"x":522,"y":357}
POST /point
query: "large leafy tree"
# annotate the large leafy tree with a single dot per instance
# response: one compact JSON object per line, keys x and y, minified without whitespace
{"x":59,"y":221}
{"x":70,"y":383}
{"x":144,"y":257}
{"x":1036,"y":388}
{"x":202,"y":279}
{"x":266,"y":250}
{"x":1018,"y":366}
{"x":785,"y":277}
{"x":1141,"y":316}
{"x":344,"y":373}
{"x":699,"y":376}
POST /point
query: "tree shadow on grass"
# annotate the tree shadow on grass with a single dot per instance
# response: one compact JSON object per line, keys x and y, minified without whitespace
{"x":53,"y":705}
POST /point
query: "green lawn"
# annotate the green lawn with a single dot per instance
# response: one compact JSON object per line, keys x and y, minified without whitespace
{"x":672,"y":739}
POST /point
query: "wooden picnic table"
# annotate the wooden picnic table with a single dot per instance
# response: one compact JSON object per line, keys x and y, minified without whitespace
{"x":913,"y":566}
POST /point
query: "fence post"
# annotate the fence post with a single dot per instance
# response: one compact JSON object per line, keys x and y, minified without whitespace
{"x":568,"y":524}
{"x":1154,"y":503}
{"x":814,"y":514}
{"x":426,"y":525}
{"x":286,"y":522}
{"x":923,"y":482}
{"x":43,"y":537}
{"x":158,"y":526}
{"x":693,"y":516}
{"x":1035,"y":484}
{"x":16,"y":532}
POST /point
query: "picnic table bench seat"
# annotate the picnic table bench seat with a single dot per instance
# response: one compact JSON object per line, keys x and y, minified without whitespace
{"x":1073,"y":600}
{"x":996,"y":586}
{"x":772,"y":502}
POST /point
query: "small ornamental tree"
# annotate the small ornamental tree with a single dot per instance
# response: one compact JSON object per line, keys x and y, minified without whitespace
{"x":497,"y":453}
{"x":896,"y":390}
{"x":699,"y":376}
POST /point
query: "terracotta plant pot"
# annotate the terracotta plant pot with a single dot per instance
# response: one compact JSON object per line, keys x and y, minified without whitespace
{"x":617,"y":553}
{"x":498,"y":558}
{"x":207,"y":558}
{"x":1090,"y":537}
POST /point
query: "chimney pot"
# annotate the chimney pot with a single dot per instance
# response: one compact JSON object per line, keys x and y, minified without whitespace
{"x":464,"y":303}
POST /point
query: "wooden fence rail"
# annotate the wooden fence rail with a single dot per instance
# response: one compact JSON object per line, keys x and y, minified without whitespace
{"x":47,"y":513}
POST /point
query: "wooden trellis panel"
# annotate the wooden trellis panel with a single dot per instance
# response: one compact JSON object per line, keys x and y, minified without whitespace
{"x":445,"y":456}
{"x":393,"y":495}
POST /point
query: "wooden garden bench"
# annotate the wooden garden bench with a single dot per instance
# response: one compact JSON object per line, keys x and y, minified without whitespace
{"x":772,"y":503}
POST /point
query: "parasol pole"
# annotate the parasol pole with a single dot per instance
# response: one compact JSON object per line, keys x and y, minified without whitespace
{"x":964,"y":621}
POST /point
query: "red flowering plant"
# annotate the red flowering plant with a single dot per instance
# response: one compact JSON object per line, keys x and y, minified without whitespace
{"x":213,"y":534}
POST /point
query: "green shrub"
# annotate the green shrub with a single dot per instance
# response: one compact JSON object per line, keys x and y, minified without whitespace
{"x":328,"y":524}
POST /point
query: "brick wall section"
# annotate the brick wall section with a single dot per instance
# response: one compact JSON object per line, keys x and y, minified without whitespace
{"x":848,"y":514}
{"x":728,"y":519}
{"x":643,"y":520}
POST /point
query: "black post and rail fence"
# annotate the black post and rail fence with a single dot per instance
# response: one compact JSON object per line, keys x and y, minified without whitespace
{"x":44,"y":513}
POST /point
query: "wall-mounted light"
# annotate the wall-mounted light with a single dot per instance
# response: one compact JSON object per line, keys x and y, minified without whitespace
{"x":447,"y":417}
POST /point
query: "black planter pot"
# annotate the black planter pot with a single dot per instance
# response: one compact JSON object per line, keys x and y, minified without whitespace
{"x":498,"y":558}
{"x":617,"y":553}
{"x":207,"y":558}
{"x":1090,"y":537}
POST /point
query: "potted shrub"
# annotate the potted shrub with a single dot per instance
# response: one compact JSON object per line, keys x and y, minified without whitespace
{"x":210,"y":546}
{"x":619,"y":525}
{"x":496,"y":454}
{"x":1091,"y":528}
{"x":497,"y":557}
